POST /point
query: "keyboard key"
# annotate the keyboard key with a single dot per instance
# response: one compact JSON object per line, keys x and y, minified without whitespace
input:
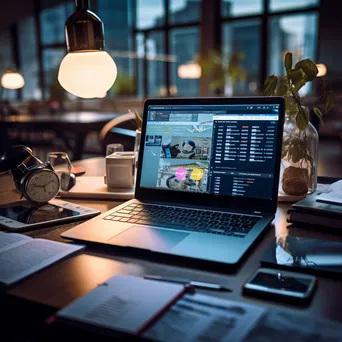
{"x":122,"y":215}
{"x":123,"y":211}
{"x":116,"y":218}
{"x":204,"y":221}
{"x":143,"y":222}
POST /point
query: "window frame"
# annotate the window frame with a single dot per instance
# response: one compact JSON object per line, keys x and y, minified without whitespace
{"x":265,"y":18}
{"x":166,"y":29}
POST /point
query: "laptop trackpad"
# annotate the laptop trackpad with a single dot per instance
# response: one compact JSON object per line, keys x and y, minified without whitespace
{"x":149,"y":238}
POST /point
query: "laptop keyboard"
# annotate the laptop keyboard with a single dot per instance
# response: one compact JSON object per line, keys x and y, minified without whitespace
{"x":194,"y":220}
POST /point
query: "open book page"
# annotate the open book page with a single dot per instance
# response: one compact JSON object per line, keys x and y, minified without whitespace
{"x":123,"y":303}
{"x":9,"y":240}
{"x":283,"y":326}
{"x":22,"y":260}
{"x":204,"y":318}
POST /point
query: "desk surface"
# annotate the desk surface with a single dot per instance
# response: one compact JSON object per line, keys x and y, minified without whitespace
{"x":60,"y":284}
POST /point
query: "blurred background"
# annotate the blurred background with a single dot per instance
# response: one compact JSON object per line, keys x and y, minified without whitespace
{"x":173,"y":48}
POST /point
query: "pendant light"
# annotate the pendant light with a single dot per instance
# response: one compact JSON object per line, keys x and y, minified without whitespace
{"x":87,"y":71}
{"x":11,"y":79}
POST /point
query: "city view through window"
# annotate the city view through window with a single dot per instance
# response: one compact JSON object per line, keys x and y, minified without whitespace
{"x":156,"y":44}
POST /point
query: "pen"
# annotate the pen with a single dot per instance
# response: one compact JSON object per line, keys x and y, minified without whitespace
{"x":197,"y":284}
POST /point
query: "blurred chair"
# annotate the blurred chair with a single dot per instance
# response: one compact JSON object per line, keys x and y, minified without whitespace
{"x":119,"y":130}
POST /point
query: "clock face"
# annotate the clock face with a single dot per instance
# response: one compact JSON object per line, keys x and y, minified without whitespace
{"x":42,"y":186}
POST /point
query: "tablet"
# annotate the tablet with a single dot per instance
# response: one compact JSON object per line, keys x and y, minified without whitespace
{"x":24,"y":215}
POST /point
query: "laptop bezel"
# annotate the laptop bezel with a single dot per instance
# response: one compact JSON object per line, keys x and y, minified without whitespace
{"x":209,"y":200}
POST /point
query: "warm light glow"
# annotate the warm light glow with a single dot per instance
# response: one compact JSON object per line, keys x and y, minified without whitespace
{"x":191,"y":70}
{"x":12,"y":80}
{"x":102,"y":96}
{"x":87,"y":74}
{"x":322,"y":70}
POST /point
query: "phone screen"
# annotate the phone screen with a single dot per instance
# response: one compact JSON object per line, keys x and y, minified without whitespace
{"x":282,"y":282}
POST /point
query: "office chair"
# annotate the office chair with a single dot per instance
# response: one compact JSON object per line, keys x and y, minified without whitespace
{"x":119,"y":130}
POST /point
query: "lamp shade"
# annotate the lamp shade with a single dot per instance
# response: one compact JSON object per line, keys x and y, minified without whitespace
{"x":87,"y":74}
{"x":12,"y":80}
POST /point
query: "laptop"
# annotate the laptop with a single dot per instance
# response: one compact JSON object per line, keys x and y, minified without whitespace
{"x":206,"y":182}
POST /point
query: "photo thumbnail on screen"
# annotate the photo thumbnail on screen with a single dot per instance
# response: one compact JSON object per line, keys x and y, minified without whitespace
{"x":153,"y":140}
{"x":182,"y":176}
{"x":187,"y":148}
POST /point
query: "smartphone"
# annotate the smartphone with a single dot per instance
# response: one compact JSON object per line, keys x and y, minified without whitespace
{"x":281,"y":285}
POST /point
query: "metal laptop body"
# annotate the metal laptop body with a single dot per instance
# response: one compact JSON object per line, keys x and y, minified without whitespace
{"x":214,"y":154}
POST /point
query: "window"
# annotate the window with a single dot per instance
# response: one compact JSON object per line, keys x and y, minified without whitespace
{"x":166,"y":39}
{"x":184,"y":46}
{"x":264,"y":49}
{"x":149,"y":13}
{"x":29,"y":59}
{"x":118,"y":42}
{"x":243,"y":37}
{"x":183,"y":11}
{"x":233,"y":8}
{"x":155,"y":44}
{"x":6,"y":59}
{"x":52,"y":58}
{"x":53,"y":21}
{"x":278,"y":5}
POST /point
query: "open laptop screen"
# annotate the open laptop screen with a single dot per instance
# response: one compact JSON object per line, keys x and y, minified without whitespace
{"x":216,"y":149}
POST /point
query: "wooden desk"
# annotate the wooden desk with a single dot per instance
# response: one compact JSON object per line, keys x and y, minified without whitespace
{"x":77,"y":123}
{"x":58,"y":285}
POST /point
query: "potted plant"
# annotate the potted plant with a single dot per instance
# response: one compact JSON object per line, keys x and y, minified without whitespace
{"x":300,"y":139}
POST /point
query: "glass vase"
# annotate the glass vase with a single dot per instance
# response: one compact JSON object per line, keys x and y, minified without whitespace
{"x":298,"y":170}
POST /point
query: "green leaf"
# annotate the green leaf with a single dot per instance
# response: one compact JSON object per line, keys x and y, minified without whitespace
{"x":309,"y":67}
{"x":293,"y":109}
{"x":302,"y":119}
{"x":287,"y":101}
{"x":288,"y":61}
{"x":318,"y":113}
{"x":270,"y":85}
{"x":282,"y":89}
{"x":330,"y":102}
{"x":296,"y":75}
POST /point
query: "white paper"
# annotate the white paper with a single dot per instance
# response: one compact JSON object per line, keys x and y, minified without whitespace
{"x":123,"y":303}
{"x":204,"y":318}
{"x":333,"y":194}
{"x":22,"y":260}
{"x":283,"y":326}
{"x":9,"y":240}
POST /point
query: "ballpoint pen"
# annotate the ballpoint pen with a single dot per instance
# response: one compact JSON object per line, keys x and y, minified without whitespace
{"x":196,"y":284}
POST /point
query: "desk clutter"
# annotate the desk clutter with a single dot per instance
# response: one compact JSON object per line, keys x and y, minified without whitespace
{"x":21,"y":256}
{"x":170,"y":312}
{"x":305,"y":255}
{"x":320,"y":209}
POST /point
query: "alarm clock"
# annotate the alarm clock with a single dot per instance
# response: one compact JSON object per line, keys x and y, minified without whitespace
{"x":38,"y":183}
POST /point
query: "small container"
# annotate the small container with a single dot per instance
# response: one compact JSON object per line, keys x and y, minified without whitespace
{"x":120,"y":170}
{"x":111,"y":148}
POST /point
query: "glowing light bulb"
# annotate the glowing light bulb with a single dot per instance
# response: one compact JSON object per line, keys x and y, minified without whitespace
{"x":12,"y":80}
{"x":322,"y":70}
{"x":87,"y":74}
